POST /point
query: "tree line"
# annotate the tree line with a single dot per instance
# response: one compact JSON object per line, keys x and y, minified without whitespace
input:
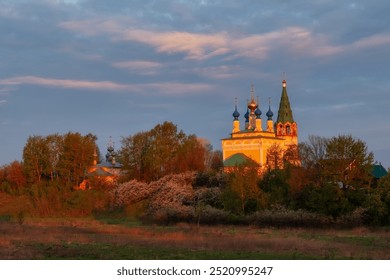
{"x":328,"y":176}
{"x":145,"y":156}
{"x":333,"y":178}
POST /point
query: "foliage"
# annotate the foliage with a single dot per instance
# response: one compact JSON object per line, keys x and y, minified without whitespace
{"x":58,"y":157}
{"x":274,"y":184}
{"x":279,"y":216}
{"x":275,"y":157}
{"x":243,"y":196}
{"x":347,"y":161}
{"x":149,"y":156}
{"x":327,"y":200}
{"x":177,"y":177}
{"x":210,"y":179}
{"x":313,"y":151}
{"x":12,"y":178}
{"x":378,"y":203}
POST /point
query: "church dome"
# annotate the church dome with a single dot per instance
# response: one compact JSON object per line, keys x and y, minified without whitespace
{"x":236,"y":114}
{"x":269,"y":113}
{"x":247,"y":115}
{"x":252,"y":105}
{"x":258,"y":113}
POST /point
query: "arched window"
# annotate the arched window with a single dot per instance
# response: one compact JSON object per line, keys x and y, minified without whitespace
{"x":288,"y":129}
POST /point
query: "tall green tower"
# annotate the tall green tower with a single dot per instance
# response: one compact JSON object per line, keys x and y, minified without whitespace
{"x":285,"y":125}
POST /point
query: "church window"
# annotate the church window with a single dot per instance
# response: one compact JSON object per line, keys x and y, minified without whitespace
{"x":288,"y":130}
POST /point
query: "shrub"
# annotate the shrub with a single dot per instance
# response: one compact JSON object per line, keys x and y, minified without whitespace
{"x":282,"y":217}
{"x":211,"y":216}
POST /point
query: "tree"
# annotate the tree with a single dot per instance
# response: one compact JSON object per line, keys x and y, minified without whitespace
{"x":291,"y":156}
{"x":164,"y":146}
{"x":243,"y":191}
{"x":313,"y":151}
{"x":215,"y":162}
{"x":191,"y":155}
{"x":15,"y":175}
{"x":55,"y":150}
{"x":133,"y":155}
{"x":347,"y":161}
{"x":77,"y":156}
{"x":35,"y":158}
{"x":163,"y":150}
{"x":274,"y":183}
{"x":275,"y":157}
{"x":312,"y":155}
{"x":327,"y":200}
{"x":58,"y":157}
{"x":12,"y":177}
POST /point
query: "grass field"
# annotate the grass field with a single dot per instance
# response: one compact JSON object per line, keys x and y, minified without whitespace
{"x":128,"y":239}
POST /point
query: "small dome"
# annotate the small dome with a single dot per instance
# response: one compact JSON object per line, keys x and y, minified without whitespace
{"x":258,"y":113}
{"x":236,"y":114}
{"x":247,"y":115}
{"x":269,"y":113}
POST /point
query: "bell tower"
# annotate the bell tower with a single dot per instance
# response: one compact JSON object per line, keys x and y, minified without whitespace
{"x":285,"y":126}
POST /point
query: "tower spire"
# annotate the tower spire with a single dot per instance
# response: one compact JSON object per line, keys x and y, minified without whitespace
{"x":285,"y":124}
{"x":285,"y":113}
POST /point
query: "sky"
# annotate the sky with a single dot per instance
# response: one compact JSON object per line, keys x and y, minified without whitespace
{"x":115,"y":68}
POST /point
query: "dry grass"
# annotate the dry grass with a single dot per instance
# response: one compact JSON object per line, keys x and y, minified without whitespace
{"x":55,"y":238}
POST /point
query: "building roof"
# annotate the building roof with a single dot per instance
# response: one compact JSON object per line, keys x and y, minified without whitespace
{"x":110,"y":164}
{"x":285,"y":113}
{"x":238,"y":160}
{"x":378,"y":171}
{"x":99,"y":173}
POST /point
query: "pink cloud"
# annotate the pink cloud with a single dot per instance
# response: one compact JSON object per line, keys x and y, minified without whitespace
{"x":294,"y":40}
{"x":197,"y":46}
{"x":372,"y":41}
{"x":165,"y":88}
{"x":33,"y":80}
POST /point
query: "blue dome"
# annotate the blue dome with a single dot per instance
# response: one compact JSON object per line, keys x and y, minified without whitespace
{"x":258,"y":113}
{"x":269,"y":114}
{"x":236,"y":114}
{"x":247,"y":115}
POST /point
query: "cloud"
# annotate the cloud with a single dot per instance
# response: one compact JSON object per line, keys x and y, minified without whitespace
{"x":219,"y":72}
{"x":165,"y":88}
{"x":372,"y":41}
{"x":198,"y":46}
{"x":2,"y":101}
{"x":139,"y":66}
{"x":63,"y":83}
{"x":346,"y":106}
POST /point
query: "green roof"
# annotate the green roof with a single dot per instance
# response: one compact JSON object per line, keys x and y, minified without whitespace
{"x":238,"y":160}
{"x":285,"y":112}
{"x":378,"y":171}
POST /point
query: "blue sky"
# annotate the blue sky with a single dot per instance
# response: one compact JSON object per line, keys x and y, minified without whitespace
{"x":114,"y":68}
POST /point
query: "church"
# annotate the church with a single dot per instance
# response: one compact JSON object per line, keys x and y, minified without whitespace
{"x":107,"y":171}
{"x":254,"y":145}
